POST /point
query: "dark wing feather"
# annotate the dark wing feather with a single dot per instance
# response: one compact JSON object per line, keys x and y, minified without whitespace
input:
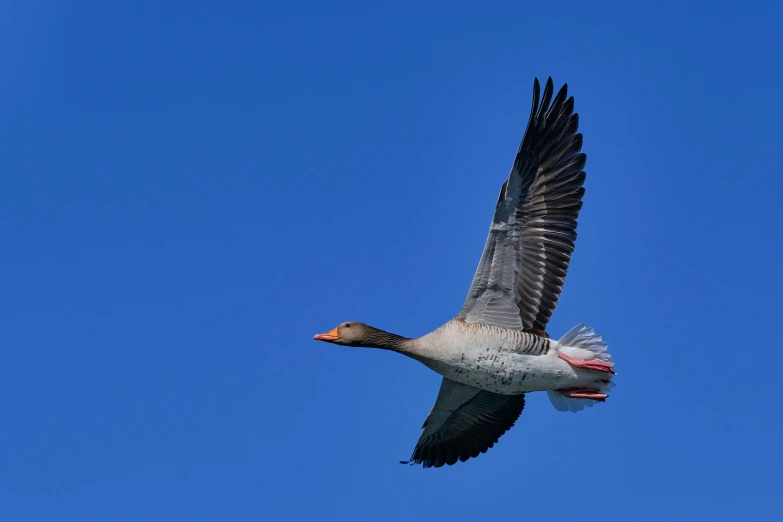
{"x":464,"y":422}
{"x":523,"y":268}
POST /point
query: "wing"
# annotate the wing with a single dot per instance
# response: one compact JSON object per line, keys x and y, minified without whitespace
{"x":464,"y":422}
{"x":524,"y":264}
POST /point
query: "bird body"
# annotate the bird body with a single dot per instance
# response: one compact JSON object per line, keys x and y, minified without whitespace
{"x":499,"y":360}
{"x":496,"y":349}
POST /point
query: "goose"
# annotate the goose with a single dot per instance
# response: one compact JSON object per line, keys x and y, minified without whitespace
{"x":497,"y":348}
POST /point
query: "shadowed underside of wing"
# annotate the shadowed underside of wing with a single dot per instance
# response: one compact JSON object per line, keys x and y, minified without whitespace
{"x":464,"y":423}
{"x":522,"y":270}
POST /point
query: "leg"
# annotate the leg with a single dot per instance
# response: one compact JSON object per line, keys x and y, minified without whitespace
{"x":584,"y":393}
{"x":587,"y":364}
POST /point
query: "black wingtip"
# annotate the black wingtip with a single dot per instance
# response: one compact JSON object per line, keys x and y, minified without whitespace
{"x":536,"y":96}
{"x":549,"y":89}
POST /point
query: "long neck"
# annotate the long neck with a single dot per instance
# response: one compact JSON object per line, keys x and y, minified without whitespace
{"x":376,"y":338}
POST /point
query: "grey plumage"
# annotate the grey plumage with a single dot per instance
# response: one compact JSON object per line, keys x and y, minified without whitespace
{"x":525,"y":260}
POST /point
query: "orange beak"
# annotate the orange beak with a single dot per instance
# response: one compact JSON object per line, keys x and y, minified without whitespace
{"x":328,"y":336}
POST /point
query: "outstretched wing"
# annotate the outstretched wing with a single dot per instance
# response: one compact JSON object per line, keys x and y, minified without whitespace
{"x":524,"y":264}
{"x":464,"y":422}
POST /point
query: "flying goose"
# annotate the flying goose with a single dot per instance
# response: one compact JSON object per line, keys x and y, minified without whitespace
{"x":497,"y":349}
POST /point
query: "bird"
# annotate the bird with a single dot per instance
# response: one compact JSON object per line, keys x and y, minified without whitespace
{"x":497,"y":348}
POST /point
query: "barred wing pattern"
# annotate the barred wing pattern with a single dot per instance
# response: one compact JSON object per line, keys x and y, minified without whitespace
{"x":522,"y":270}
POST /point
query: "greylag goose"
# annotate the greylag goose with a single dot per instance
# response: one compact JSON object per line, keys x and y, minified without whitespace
{"x":497,"y":349}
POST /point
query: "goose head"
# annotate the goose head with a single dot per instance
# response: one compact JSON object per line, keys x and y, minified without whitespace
{"x":352,"y":333}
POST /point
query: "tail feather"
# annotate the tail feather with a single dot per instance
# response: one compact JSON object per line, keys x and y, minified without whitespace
{"x":583,"y":337}
{"x":582,"y":342}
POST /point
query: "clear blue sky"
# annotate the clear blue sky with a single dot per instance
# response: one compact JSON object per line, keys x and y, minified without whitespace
{"x":190,"y":191}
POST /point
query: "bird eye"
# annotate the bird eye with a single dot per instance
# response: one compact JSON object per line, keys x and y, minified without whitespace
{"x":347,"y":325}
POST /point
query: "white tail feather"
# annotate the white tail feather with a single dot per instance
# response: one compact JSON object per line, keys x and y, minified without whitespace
{"x":582,"y":342}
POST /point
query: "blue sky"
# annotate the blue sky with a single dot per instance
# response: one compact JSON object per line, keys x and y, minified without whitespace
{"x":189,"y":191}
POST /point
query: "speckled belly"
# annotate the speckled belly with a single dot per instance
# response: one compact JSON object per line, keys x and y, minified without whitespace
{"x":508,"y":373}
